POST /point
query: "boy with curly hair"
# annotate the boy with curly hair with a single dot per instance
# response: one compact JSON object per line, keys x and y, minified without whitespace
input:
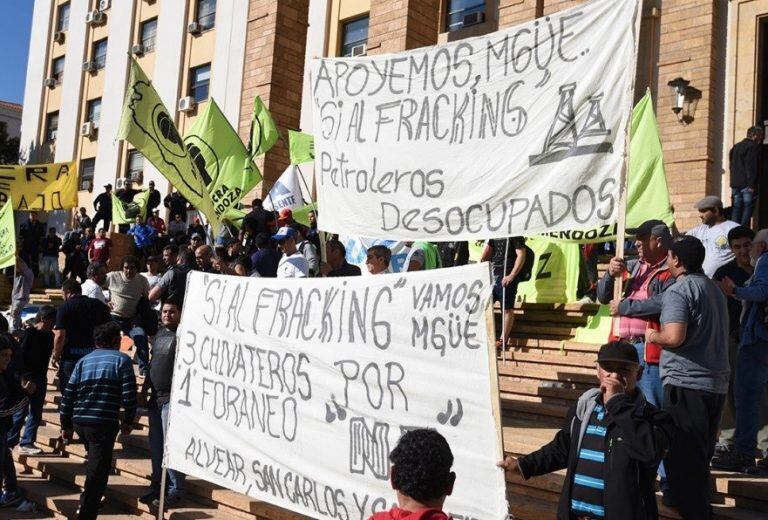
{"x":421,"y":476}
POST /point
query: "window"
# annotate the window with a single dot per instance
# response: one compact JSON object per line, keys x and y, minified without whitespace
{"x":62,"y":18}
{"x":87,"y":167}
{"x":463,"y":13}
{"x":354,"y":37}
{"x":99,"y":57}
{"x":57,"y":69}
{"x":94,"y":110}
{"x":135,"y":165}
{"x":148,"y":34}
{"x":200,"y":78}
{"x":51,"y":126}
{"x":206,"y":13}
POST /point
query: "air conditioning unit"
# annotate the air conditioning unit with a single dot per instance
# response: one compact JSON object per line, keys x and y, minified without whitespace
{"x":187,"y":104}
{"x":138,"y":49}
{"x":86,"y":185}
{"x":194,"y":28}
{"x":88,"y":129}
{"x":359,"y":50}
{"x":136,"y":177}
{"x":473,"y":19}
{"x":104,"y":4}
{"x":94,"y":17}
{"x":89,"y":66}
{"x":50,"y":82}
{"x":120,"y":183}
{"x":59,"y":36}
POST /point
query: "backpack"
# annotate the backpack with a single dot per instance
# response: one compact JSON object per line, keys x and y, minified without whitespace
{"x":527,"y":271}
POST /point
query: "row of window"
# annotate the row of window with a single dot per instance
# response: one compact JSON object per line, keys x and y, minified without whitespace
{"x":134,"y":169}
{"x":459,"y":14}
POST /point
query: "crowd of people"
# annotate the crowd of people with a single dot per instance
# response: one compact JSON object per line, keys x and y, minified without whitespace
{"x":681,"y":383}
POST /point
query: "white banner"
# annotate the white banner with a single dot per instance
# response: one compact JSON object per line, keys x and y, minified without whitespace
{"x":514,"y":133}
{"x":294,"y":392}
{"x":286,"y":192}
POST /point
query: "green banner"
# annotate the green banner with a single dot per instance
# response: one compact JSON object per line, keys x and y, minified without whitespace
{"x":555,"y":276}
{"x":301,"y":147}
{"x":7,"y":236}
{"x":264,"y":133}
{"x":647,"y":193}
{"x":149,"y":127}
{"x":598,"y":327}
{"x":126,"y":213}
{"x":301,"y":215}
{"x":219,"y":155}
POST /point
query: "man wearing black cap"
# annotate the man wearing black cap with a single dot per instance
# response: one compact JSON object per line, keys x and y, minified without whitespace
{"x":103,"y":206}
{"x":713,"y":233}
{"x":611,"y":443}
{"x":746,"y":166}
{"x":694,"y":372}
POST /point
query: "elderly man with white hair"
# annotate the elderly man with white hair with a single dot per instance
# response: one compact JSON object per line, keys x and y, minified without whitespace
{"x":751,"y":364}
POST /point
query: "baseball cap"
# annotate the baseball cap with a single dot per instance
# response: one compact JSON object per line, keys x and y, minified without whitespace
{"x":653,"y":227}
{"x":108,"y":186}
{"x":154,"y":258}
{"x":197,"y":235}
{"x":618,"y":351}
{"x":709,"y":202}
{"x":285,"y":214}
{"x":283,"y":233}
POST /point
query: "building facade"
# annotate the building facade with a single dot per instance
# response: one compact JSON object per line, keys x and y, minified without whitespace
{"x":233,"y":50}
{"x":10,"y":114}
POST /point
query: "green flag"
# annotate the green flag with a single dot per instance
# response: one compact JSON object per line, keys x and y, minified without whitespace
{"x":149,"y":127}
{"x":7,"y":236}
{"x":126,"y":213}
{"x":219,"y":155}
{"x":263,"y":130}
{"x":647,"y":193}
{"x":301,"y":147}
{"x":301,"y":215}
{"x":555,"y":276}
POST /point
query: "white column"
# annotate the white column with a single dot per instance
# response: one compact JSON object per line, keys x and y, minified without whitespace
{"x":72,"y":85}
{"x":32,"y":116}
{"x":115,"y":77}
{"x":229,"y":56}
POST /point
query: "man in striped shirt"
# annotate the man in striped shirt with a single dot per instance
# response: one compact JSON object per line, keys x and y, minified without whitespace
{"x":101,"y":383}
{"x":611,"y":444}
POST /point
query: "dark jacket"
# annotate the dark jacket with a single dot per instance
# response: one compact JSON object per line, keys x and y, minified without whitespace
{"x":161,"y":365}
{"x":154,"y":200}
{"x":31,"y":233}
{"x":12,"y":399}
{"x":638,"y":437}
{"x":36,"y":348}
{"x":103,"y":203}
{"x":745,"y":164}
{"x":627,"y":307}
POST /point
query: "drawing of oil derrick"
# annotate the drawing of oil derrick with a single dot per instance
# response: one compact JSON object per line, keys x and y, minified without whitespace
{"x":563,"y":139}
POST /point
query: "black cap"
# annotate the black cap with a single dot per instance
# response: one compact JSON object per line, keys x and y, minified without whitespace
{"x":108,"y":186}
{"x":154,"y":258}
{"x":618,"y":351}
{"x":653,"y":227}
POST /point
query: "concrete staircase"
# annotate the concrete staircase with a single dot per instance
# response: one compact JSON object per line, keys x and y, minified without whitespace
{"x":544,"y":372}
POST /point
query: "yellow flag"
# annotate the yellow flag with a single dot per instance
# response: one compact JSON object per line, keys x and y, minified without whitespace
{"x":39,"y":187}
{"x":7,"y":237}
{"x":149,"y":127}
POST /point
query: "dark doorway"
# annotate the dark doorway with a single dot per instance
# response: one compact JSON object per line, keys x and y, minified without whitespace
{"x":761,"y":119}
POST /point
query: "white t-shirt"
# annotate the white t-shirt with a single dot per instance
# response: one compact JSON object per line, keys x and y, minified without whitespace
{"x":715,"y":240}
{"x":294,"y":266}
{"x":92,"y":290}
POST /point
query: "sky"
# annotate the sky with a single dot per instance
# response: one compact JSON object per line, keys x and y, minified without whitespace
{"x":15,"y":23}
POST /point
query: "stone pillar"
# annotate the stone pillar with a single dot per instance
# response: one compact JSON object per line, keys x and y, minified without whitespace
{"x":692,"y":34}
{"x":274,"y":69}
{"x":402,"y":25}
{"x":515,"y":12}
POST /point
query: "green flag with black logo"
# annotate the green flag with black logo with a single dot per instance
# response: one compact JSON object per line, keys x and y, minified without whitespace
{"x":301,"y":147}
{"x":149,"y":127}
{"x":264,"y":133}
{"x":219,"y":155}
{"x":126,"y":212}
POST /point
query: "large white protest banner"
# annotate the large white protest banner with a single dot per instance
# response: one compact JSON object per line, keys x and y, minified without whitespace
{"x":521,"y":131}
{"x":294,"y":392}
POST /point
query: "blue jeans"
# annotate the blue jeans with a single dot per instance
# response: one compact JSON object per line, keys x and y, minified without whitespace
{"x":29,"y":417}
{"x":650,"y":385}
{"x":748,"y":389}
{"x":139,"y":338}
{"x":49,"y":267}
{"x":158,"y":427}
{"x":743,"y":202}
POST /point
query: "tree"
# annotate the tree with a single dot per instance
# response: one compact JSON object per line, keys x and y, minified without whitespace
{"x":9,"y":146}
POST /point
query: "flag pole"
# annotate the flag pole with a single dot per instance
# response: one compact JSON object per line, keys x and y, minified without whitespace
{"x":161,"y":505}
{"x":621,"y":223}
